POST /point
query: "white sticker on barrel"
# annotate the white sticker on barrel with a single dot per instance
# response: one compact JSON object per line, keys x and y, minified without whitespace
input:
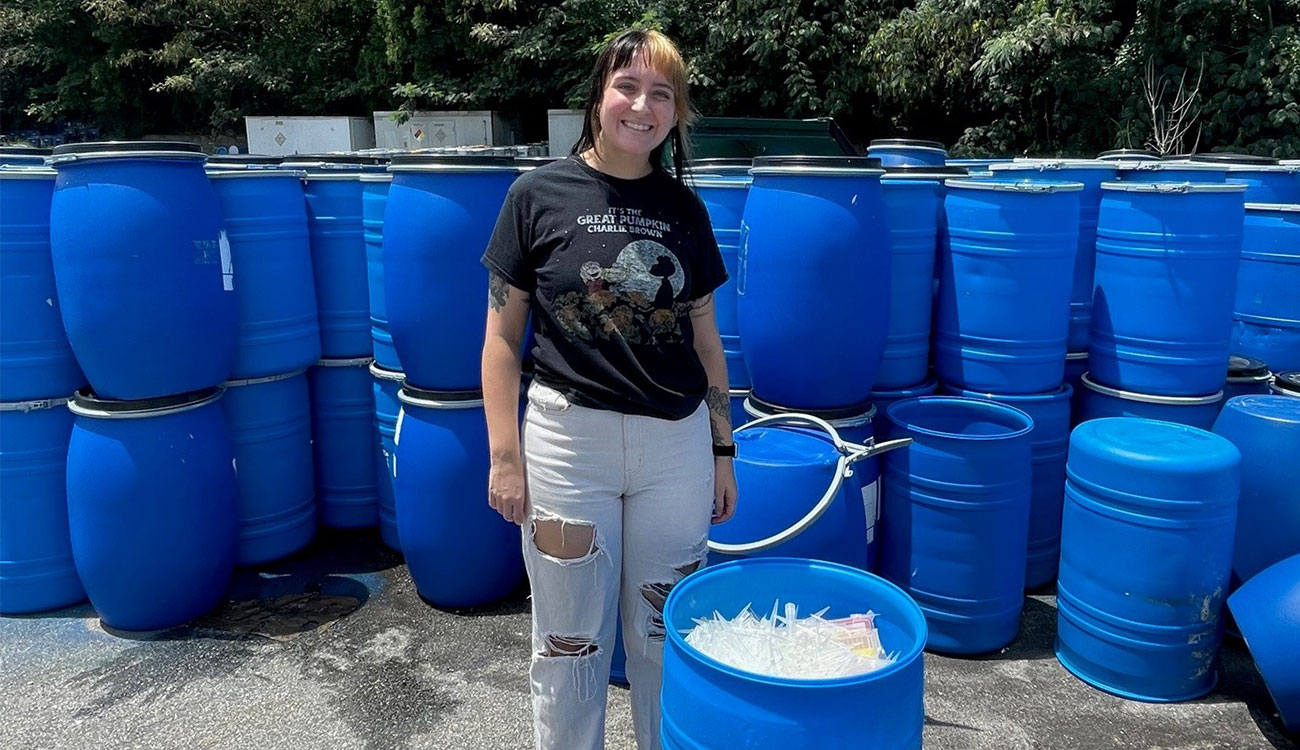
{"x":397,"y":431}
{"x":227,"y":265}
{"x":871,"y":508}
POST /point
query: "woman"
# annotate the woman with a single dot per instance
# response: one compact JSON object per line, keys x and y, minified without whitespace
{"x":626,"y":450}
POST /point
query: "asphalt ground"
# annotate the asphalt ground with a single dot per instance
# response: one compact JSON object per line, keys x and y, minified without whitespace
{"x":334,"y":649}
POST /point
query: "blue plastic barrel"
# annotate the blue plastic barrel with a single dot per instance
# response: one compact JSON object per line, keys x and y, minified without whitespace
{"x":911,"y":208}
{"x":143,"y":268}
{"x":152,"y":507}
{"x":1049,"y":443}
{"x":772,"y":713}
{"x":23,"y":156}
{"x":243,"y":161}
{"x":1167,"y":257}
{"x":1246,"y":376}
{"x":374,"y":200}
{"x":1266,"y":429}
{"x":723,"y":186}
{"x":882,"y":398}
{"x":270,"y":428}
{"x":1090,"y":174}
{"x":899,"y":152}
{"x":826,"y":356}
{"x":807,"y":494}
{"x":36,"y":569}
{"x":1274,"y":183}
{"x":955,"y":517}
{"x":387,"y":384}
{"x":338,"y":255}
{"x":1267,"y":609}
{"x":1146,"y":549}
{"x":1097,"y":401}
{"x":1004,"y":290}
{"x":266,"y":225}
{"x":440,"y":216}
{"x":443,"y":517}
{"x":1076,"y":364}
{"x":1266,"y":314}
{"x":1170,"y":171}
{"x":35,"y":359}
{"x":343,"y":442}
{"x":1285,"y":384}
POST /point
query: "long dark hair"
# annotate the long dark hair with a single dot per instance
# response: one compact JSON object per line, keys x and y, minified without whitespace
{"x":664,"y":57}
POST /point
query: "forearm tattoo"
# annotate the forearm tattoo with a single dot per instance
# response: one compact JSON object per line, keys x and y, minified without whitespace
{"x":498,"y":290}
{"x":720,"y":415}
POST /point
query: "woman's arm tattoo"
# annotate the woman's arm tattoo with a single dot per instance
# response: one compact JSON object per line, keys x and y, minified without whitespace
{"x":720,"y":414}
{"x":498,"y":290}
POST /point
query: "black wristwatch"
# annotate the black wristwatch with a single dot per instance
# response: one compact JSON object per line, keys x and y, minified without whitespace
{"x":725,"y":450}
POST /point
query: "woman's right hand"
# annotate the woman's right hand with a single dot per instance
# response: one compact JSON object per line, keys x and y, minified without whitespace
{"x":508,"y":490}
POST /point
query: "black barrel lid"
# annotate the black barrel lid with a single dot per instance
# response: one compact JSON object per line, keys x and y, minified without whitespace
{"x":1240,"y":366}
{"x":237,"y":159}
{"x":816,"y":162}
{"x":830,"y":415}
{"x":913,"y":142}
{"x":117,"y":147}
{"x":1128,"y":153}
{"x":1227,"y":158}
{"x":452,"y":160}
{"x":1287,"y":382}
{"x":23,"y":151}
{"x":88,"y":399}
{"x":427,"y":394}
{"x":909,"y":169}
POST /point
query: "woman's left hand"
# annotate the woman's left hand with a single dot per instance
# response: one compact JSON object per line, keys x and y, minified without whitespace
{"x":724,"y":489}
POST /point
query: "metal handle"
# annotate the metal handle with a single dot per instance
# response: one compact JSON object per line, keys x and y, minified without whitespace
{"x":850,"y":453}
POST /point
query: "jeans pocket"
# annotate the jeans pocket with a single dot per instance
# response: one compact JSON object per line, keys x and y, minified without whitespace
{"x":547,"y":400}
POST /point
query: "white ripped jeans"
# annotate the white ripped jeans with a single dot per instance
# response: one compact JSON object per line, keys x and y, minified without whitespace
{"x":641,"y":489}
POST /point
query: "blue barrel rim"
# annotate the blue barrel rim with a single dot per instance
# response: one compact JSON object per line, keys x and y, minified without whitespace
{"x":34,"y":404}
{"x":1265,"y":168}
{"x":264,"y":379}
{"x":1175,"y":187}
{"x":247,"y":174}
{"x":1121,"y":154}
{"x":84,"y":404}
{"x":62,"y":161}
{"x":859,"y":420}
{"x":344,"y":362}
{"x":1024,"y":186}
{"x":908,"y":144}
{"x":1280,"y":208}
{"x":341,"y":176}
{"x":834,"y":416}
{"x":916,"y":618}
{"x":1026,"y":423}
{"x":376,"y":177}
{"x":383,"y":373}
{"x":828,"y":166}
{"x":27,"y":172}
{"x":1166,"y":166}
{"x":1062,"y":392}
{"x":717,"y":182}
{"x":1147,"y":398}
{"x":1075,"y":356}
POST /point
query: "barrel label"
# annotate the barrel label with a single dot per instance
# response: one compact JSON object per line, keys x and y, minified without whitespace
{"x":871,"y":506}
{"x":227,"y":265}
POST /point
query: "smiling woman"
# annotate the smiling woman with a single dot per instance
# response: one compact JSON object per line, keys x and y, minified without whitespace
{"x":616,"y":481}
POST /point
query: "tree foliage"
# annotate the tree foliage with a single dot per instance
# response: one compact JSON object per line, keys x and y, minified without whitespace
{"x":1000,"y":76}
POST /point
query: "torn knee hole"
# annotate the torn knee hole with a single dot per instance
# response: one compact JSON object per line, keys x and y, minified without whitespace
{"x":564,"y":540}
{"x":558,"y":645}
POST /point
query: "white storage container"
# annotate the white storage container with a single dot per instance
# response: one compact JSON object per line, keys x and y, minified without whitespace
{"x":564,"y":126}
{"x":442,"y":130}
{"x":284,"y":136}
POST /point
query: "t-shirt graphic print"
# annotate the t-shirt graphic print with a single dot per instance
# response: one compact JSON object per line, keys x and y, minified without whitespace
{"x":613,"y":267}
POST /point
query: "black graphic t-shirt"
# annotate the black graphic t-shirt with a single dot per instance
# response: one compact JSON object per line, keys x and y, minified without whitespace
{"x":612,"y":266}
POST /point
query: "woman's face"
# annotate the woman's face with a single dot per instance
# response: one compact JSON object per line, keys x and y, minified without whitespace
{"x":638,"y":109}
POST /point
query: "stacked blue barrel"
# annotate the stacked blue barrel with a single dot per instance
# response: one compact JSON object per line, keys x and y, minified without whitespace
{"x":37,"y":374}
{"x":1167,"y":260}
{"x":813,"y":325}
{"x":440,"y":213}
{"x":345,"y":439}
{"x":143,"y":266}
